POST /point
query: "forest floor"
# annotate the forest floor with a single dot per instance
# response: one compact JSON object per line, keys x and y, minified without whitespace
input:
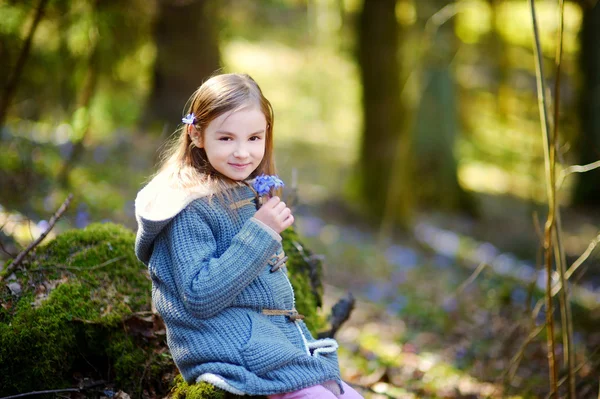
{"x":374,"y":360}
{"x":430,"y":322}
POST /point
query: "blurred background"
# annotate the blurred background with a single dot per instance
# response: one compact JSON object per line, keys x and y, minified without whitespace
{"x":408,"y":134}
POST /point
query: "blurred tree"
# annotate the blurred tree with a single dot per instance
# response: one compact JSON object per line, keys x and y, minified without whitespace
{"x":378,"y":36}
{"x":88,"y":90}
{"x":14,"y":75}
{"x":501,"y":62}
{"x":587,"y":189}
{"x":186,"y":37}
{"x":436,"y":125}
{"x":56,"y":75}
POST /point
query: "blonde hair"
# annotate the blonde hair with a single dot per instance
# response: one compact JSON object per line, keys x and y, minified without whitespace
{"x":187,"y":165}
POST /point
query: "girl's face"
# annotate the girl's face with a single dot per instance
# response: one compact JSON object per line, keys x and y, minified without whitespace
{"x":235,"y":142}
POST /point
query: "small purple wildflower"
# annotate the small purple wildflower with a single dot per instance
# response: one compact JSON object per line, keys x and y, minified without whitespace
{"x":263,"y":184}
{"x":189,"y":119}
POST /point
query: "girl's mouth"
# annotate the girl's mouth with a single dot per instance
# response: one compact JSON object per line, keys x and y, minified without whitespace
{"x":239,"y":165}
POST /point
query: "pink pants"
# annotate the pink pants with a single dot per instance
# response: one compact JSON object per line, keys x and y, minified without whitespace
{"x":318,"y":391}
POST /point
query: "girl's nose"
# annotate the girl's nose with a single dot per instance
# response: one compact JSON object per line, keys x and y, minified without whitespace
{"x":240,"y":152}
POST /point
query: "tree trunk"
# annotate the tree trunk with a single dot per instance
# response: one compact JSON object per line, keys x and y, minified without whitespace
{"x":13,"y":81}
{"x":501,"y":63}
{"x":436,"y":127}
{"x":186,"y":35}
{"x":587,"y":189}
{"x":382,"y":108}
{"x":86,"y":95}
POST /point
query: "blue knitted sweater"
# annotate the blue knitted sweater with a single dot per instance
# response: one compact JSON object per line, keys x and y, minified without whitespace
{"x":211,"y":279}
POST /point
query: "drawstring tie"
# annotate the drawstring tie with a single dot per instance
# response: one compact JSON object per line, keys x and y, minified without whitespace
{"x":293,"y":314}
{"x":277,"y":261}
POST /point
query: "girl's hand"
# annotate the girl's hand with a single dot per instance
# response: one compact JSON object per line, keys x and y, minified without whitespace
{"x":275,"y":214}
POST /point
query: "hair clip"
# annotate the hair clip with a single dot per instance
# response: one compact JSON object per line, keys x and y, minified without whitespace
{"x":189,"y":119}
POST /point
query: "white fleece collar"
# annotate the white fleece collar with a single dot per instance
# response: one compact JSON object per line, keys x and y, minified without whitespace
{"x":160,"y":200}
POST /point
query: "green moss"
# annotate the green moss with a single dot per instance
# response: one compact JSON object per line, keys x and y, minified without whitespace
{"x":306,"y":280}
{"x":98,"y":283}
{"x":182,"y":390}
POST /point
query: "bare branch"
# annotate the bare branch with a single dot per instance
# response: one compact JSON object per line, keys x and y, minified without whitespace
{"x":51,"y":224}
{"x":471,"y":278}
{"x":583,"y":257}
{"x":576,"y":169}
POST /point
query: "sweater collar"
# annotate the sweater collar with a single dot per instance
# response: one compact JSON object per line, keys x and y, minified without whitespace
{"x":160,"y":200}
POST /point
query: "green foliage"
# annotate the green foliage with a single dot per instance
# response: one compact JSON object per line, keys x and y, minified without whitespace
{"x":112,"y":39}
{"x":305,"y":280}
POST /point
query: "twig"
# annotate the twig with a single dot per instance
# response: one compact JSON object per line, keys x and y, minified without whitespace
{"x":561,"y":260}
{"x":579,"y":367}
{"x":108,"y":262}
{"x":2,"y":245}
{"x":471,"y":278}
{"x":583,"y":257}
{"x":576,"y":169}
{"x":21,"y":395}
{"x":549,"y":154}
{"x":6,"y":251}
{"x":51,"y":224}
{"x":513,"y":366}
{"x":29,"y":228}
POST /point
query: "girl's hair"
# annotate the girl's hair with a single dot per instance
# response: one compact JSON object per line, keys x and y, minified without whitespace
{"x":188,"y":165}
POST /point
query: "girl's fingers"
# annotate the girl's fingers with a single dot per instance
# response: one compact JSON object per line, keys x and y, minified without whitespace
{"x":272,"y":202}
{"x":284,"y":214}
{"x":288,"y":222}
{"x":279,"y":207}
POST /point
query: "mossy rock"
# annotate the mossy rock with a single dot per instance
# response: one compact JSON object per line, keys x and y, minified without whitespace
{"x":84,"y":314}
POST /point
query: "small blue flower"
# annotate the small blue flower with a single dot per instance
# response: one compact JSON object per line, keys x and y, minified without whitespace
{"x":265,"y":183}
{"x":189,"y":119}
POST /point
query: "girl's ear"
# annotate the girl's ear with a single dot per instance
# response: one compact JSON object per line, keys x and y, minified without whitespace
{"x":195,"y":136}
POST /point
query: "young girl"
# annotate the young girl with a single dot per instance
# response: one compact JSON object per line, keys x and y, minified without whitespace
{"x":217,"y":265}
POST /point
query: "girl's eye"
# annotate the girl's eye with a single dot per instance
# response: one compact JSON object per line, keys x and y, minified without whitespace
{"x":225,"y":138}
{"x":254,"y":138}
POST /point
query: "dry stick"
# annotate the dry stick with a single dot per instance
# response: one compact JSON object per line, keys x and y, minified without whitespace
{"x":513,"y":366}
{"x":2,"y":245}
{"x":561,"y":261}
{"x":51,"y":224}
{"x":579,"y":367}
{"x":21,"y":395}
{"x":515,"y":361}
{"x":13,"y":81}
{"x":5,"y":250}
{"x":556,"y":288}
{"x":576,"y":169}
{"x":549,"y":154}
{"x":471,"y":278}
{"x":83,"y":269}
{"x":583,"y":257}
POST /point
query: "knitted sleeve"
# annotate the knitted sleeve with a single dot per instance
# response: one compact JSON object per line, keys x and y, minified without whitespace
{"x":206,"y":283}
